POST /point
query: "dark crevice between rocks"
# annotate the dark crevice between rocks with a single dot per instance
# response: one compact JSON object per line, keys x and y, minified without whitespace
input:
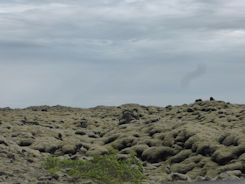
{"x":111,"y":139}
{"x":3,"y":142}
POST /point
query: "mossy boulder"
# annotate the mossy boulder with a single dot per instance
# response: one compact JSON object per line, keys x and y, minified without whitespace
{"x":97,"y":150}
{"x":232,"y":166}
{"x":222,"y":156}
{"x":69,"y":148}
{"x":139,"y":149}
{"x":128,"y":116}
{"x":46,"y":144}
{"x":196,"y":172}
{"x":156,"y":154}
{"x":181,"y":156}
{"x":242,"y":158}
{"x":179,"y":177}
{"x":182,"y":168}
{"x":184,"y":135}
{"x":124,"y":142}
{"x":239,"y":150}
{"x":204,"y":148}
{"x":25,"y":142}
{"x":229,"y":175}
{"x":228,"y":140}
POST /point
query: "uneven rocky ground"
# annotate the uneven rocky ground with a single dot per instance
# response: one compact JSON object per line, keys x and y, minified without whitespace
{"x":204,"y":140}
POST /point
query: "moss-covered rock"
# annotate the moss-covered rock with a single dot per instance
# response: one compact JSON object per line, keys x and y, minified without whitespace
{"x":222,"y":156}
{"x":179,"y":177}
{"x":232,"y":166}
{"x":124,"y":142}
{"x":48,"y":145}
{"x":228,"y":140}
{"x":156,"y":154}
{"x":181,"y":156}
{"x":182,"y":168}
{"x":69,"y":148}
{"x":128,"y":116}
{"x":25,"y":142}
{"x":242,"y":157}
{"x":97,"y":150}
{"x":196,"y":172}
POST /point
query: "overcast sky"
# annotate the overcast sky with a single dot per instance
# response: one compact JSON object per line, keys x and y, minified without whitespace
{"x":111,"y":52}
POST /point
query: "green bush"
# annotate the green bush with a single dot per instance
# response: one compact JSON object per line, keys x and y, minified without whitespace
{"x":103,"y":169}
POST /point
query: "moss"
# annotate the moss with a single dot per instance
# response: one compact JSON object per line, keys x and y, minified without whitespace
{"x":229,"y":167}
{"x":238,"y":150}
{"x":152,"y":142}
{"x":205,"y":148}
{"x":195,"y":172}
{"x":181,"y":156}
{"x":222,"y":156}
{"x":156,"y":154}
{"x":124,"y":143}
{"x":138,"y":149}
{"x":230,"y":140}
{"x":168,"y":140}
{"x":242,"y":157}
{"x":190,"y":142}
{"x":184,"y":135}
{"x":196,"y":158}
{"x":182,"y":168}
{"x":209,"y":167}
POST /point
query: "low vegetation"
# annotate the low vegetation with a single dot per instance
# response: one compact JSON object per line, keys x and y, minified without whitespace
{"x":102,"y":169}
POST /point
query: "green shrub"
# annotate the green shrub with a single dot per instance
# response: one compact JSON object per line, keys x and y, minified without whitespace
{"x":103,"y":169}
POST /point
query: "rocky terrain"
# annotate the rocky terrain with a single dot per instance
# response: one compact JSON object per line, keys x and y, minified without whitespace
{"x":204,"y":140}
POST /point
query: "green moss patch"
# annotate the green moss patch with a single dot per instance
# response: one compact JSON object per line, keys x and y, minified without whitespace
{"x":102,"y":169}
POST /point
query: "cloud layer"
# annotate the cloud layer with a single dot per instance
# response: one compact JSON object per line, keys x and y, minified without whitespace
{"x":87,"y":53}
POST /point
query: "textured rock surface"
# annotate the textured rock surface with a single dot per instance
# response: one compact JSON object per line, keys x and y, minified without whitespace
{"x":197,"y":142}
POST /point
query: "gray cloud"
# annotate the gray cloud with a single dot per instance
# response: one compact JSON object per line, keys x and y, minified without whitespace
{"x":121,"y":51}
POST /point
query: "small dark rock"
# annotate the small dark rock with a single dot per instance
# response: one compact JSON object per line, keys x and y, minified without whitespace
{"x":59,"y":136}
{"x":55,"y":176}
{"x":84,"y":123}
{"x":212,"y":99}
{"x":11,"y":156}
{"x":198,"y":100}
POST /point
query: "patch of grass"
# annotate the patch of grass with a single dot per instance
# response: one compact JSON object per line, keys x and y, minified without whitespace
{"x":102,"y":169}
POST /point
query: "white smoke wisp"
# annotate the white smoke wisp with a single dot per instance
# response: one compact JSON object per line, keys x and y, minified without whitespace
{"x":193,"y":75}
